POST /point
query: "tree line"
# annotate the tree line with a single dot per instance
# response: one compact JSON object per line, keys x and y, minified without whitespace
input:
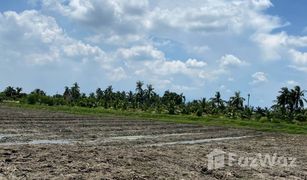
{"x":288,"y":106}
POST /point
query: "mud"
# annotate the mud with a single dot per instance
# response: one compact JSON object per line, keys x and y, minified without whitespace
{"x":44,"y":145}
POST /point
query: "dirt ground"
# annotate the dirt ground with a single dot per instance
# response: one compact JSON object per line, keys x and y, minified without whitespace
{"x":43,"y":145}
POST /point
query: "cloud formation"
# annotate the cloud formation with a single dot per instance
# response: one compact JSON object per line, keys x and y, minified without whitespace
{"x":187,"y":46}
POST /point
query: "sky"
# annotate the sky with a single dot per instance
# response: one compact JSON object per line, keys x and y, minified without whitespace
{"x":194,"y":47}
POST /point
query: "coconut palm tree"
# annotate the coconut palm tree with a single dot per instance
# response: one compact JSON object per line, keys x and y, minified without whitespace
{"x":99,"y":94}
{"x":283,"y":99}
{"x":236,"y":101}
{"x":9,"y":92}
{"x":297,"y":96}
{"x":67,"y":94}
{"x":38,"y":92}
{"x":139,"y":93}
{"x":149,"y":91}
{"x":75,"y":92}
{"x":217,"y":101}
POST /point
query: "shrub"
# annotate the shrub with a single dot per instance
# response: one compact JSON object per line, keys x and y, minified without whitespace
{"x":199,"y":112}
{"x":32,"y":99}
{"x":300,"y":117}
{"x":263,"y":119}
{"x":274,"y":120}
{"x":47,"y":100}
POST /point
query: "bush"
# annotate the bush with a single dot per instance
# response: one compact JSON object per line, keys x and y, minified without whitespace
{"x":199,"y":112}
{"x":32,"y":99}
{"x":300,"y":117}
{"x":274,"y":120}
{"x":39,"y":99}
{"x":47,"y":100}
{"x":258,"y":116}
{"x":59,"y":101}
{"x":263,"y":119}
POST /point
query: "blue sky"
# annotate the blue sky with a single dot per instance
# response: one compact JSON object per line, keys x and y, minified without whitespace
{"x":195,"y":47}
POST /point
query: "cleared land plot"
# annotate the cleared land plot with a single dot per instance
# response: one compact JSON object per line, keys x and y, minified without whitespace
{"x":41,"y":144}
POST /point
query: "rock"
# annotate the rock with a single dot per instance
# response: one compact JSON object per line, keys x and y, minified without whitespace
{"x":206,"y":171}
{"x":8,"y":160}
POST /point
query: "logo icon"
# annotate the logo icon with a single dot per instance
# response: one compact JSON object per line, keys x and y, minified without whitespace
{"x":216,"y":159}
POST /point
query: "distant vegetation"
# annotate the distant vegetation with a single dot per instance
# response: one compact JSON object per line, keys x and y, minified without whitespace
{"x":288,"y":106}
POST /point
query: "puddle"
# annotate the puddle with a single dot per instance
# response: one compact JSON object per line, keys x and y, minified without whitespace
{"x":131,"y":138}
{"x":38,"y":142}
{"x":6,"y":135}
{"x":50,"y":142}
{"x":200,"y":141}
{"x":128,"y":138}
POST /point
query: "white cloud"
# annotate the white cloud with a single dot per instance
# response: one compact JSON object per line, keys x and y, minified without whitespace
{"x":143,"y":53}
{"x":109,"y":16}
{"x":201,"y":50}
{"x":147,"y":60}
{"x":298,"y":57}
{"x":229,"y":60}
{"x":181,"y":88}
{"x":274,"y":46}
{"x":271,"y":44}
{"x":292,"y":83}
{"x":195,"y":63}
{"x":259,"y":77}
{"x":81,"y":49}
{"x":299,"y":68}
{"x":131,"y":16}
{"x":214,"y":16}
{"x":115,"y":39}
{"x":191,"y":68}
{"x":41,"y":40}
{"x":118,"y":74}
{"x":159,"y":41}
{"x":262,"y":4}
{"x":165,"y":68}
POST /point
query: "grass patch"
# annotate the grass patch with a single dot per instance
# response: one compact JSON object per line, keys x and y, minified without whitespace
{"x":206,"y":120}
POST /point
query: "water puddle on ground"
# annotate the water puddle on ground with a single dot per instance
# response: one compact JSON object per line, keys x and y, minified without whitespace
{"x":131,"y":138}
{"x":199,"y":141}
{"x":6,"y":135}
{"x":37,"y":142}
{"x":61,"y":141}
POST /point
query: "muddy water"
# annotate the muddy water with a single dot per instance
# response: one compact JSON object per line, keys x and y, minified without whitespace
{"x":149,"y":136}
{"x":61,"y":141}
{"x":199,"y":141}
{"x":38,"y":142}
{"x":5,"y":136}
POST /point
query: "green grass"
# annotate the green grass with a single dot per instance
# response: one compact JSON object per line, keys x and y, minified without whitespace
{"x":282,"y":127}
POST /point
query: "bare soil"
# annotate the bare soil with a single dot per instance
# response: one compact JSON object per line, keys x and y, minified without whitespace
{"x":37,"y":144}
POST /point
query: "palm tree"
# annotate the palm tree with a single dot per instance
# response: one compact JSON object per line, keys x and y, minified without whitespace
{"x":236,"y":101}
{"x":67,"y":94}
{"x":9,"y":92}
{"x":75,"y":92}
{"x":38,"y":92}
{"x":139,"y":87}
{"x":139,"y":93}
{"x":283,"y":99}
{"x":217,"y":100}
{"x":149,"y":91}
{"x":18,"y":91}
{"x":297,"y":96}
{"x":149,"y":94}
{"x":99,"y":94}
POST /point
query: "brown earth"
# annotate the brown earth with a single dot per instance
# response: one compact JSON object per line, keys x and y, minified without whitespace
{"x":44,"y":145}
